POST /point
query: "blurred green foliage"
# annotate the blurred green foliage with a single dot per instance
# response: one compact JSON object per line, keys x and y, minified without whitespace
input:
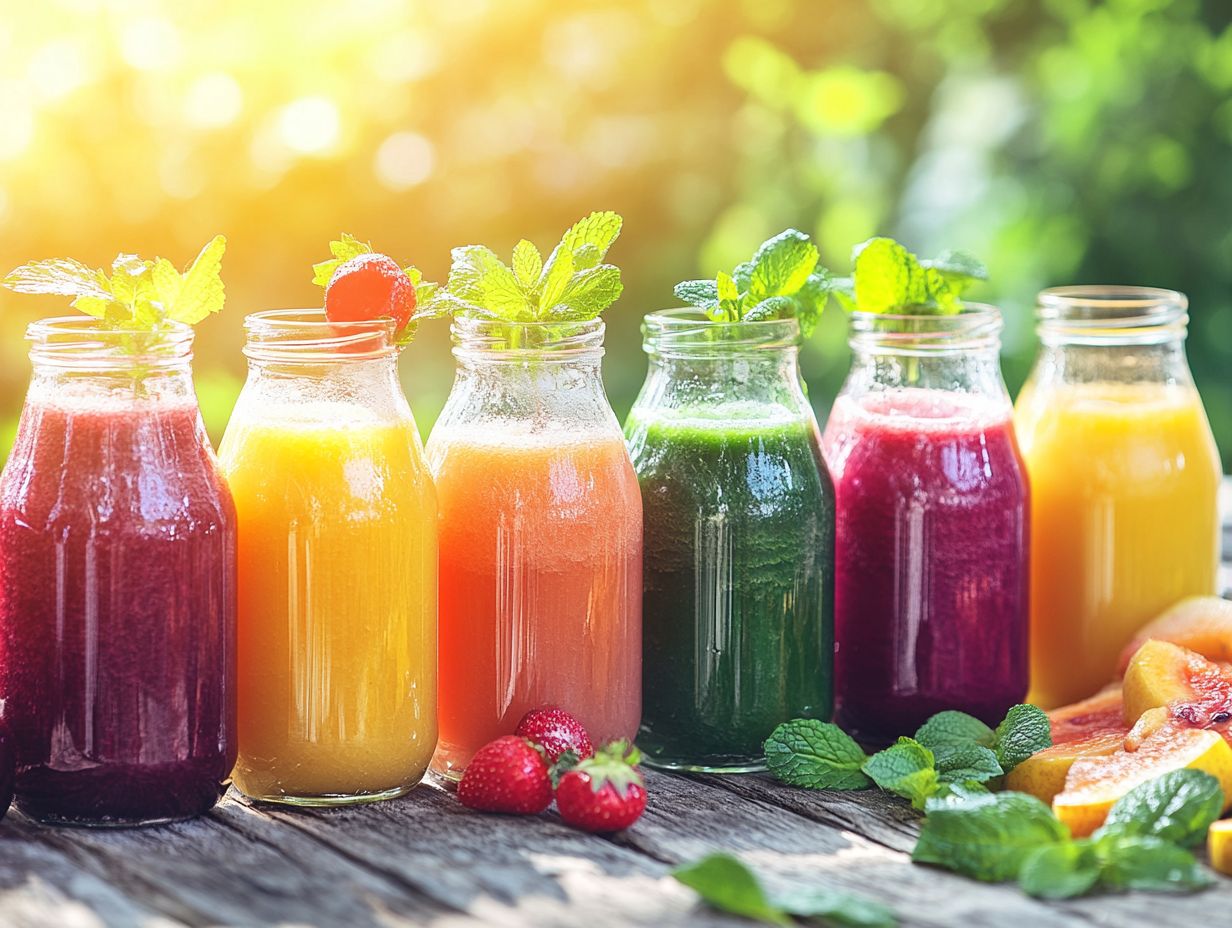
{"x":1064,"y":141}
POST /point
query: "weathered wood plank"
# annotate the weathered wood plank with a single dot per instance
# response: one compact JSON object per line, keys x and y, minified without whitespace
{"x":504,"y":870}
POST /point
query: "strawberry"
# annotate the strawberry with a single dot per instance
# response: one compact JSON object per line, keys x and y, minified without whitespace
{"x":556,"y":731}
{"x":507,"y":775}
{"x":604,"y":793}
{"x":370,"y":286}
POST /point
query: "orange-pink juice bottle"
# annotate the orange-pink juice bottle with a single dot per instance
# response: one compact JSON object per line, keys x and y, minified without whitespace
{"x":540,"y":533}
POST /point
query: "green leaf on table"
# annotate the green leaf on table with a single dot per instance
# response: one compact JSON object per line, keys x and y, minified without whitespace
{"x":726,"y":884}
{"x":987,"y":837}
{"x":960,"y":763}
{"x":952,"y":728}
{"x":816,"y":755}
{"x":1149,"y":864}
{"x":907,"y":769}
{"x":1178,"y":806}
{"x":1024,"y":731}
{"x":1060,"y":871}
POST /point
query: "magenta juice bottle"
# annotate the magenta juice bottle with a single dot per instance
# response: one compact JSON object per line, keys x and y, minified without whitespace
{"x":117,"y":584}
{"x":931,"y":545}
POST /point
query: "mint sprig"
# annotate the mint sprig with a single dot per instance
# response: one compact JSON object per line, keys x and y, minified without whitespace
{"x":1142,"y":844}
{"x":726,"y":884}
{"x":887,"y":278}
{"x":950,"y":749}
{"x":572,"y":285}
{"x":783,"y":280}
{"x":139,"y":293}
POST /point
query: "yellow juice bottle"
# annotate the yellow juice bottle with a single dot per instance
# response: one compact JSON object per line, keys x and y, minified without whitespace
{"x":337,"y":576}
{"x":1124,"y":481}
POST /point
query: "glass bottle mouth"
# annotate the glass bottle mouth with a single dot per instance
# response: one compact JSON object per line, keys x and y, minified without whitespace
{"x":1111,"y":315}
{"x":688,"y":333}
{"x":975,"y":327}
{"x":481,"y":339}
{"x":83,"y":343}
{"x":304,"y":336}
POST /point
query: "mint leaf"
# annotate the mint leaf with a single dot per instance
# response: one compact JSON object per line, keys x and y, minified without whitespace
{"x":1060,"y":871}
{"x":701,"y":293}
{"x":811,"y":300}
{"x":729,"y":297}
{"x":906,"y":769}
{"x":527,"y":265}
{"x":835,"y":907}
{"x":781,"y":266}
{"x":59,"y":276}
{"x":816,"y":755}
{"x":987,"y":837}
{"x":598,"y":230}
{"x":955,"y":793}
{"x":201,"y":291}
{"x":726,"y":884}
{"x":959,"y":269}
{"x":1178,"y":807}
{"x":1150,"y":864}
{"x":774,"y":307}
{"x":960,"y":763}
{"x":343,"y":249}
{"x":952,"y":728}
{"x":478,"y":276}
{"x":1024,"y":731}
{"x":588,"y":293}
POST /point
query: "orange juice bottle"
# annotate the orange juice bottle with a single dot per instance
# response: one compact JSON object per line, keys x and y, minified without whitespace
{"x":1124,"y":481}
{"x":540,"y":526}
{"x":337,"y":567}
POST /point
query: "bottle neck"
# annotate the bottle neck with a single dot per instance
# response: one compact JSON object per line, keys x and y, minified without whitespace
{"x":739,"y":381}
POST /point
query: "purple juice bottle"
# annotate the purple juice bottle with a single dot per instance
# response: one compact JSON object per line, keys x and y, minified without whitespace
{"x":117,"y":584}
{"x":931,"y":573}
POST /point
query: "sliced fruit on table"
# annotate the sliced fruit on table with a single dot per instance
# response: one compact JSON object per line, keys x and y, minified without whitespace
{"x":1199,"y":623}
{"x":1094,"y":784}
{"x":1197,"y":692}
{"x":1219,"y":846}
{"x":1094,"y":727}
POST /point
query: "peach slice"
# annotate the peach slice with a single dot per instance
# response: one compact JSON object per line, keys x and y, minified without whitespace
{"x":1196,"y":691}
{"x":1094,"y":784}
{"x":1219,"y":846}
{"x":1091,"y":728}
{"x":1199,"y":623}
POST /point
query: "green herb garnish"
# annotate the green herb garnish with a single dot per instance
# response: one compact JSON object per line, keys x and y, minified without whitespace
{"x":887,"y":278}
{"x":782,"y":281}
{"x":951,"y":748}
{"x":138,"y":294}
{"x":726,"y":884}
{"x":573,"y":285}
{"x":1142,"y":844}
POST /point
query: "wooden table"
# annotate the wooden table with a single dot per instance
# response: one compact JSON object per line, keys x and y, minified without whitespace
{"x":426,"y":860}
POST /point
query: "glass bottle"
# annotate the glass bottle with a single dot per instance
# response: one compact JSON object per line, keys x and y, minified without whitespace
{"x":1125,"y":480}
{"x":117,"y":583}
{"x":337,"y":579}
{"x":739,"y":542}
{"x":541,"y":539}
{"x":933,"y":506}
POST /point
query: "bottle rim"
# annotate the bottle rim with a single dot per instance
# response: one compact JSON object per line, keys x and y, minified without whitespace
{"x":478,"y":338}
{"x":1111,"y":314}
{"x":975,"y":327}
{"x":687,"y":332}
{"x":84,"y":343}
{"x":306,"y":336}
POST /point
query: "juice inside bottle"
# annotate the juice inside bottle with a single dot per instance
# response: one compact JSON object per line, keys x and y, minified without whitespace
{"x":540,"y":584}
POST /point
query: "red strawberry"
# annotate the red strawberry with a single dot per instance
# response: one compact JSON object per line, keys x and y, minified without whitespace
{"x":507,"y":775}
{"x":556,"y":731}
{"x":370,"y":286}
{"x":605,"y":793}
